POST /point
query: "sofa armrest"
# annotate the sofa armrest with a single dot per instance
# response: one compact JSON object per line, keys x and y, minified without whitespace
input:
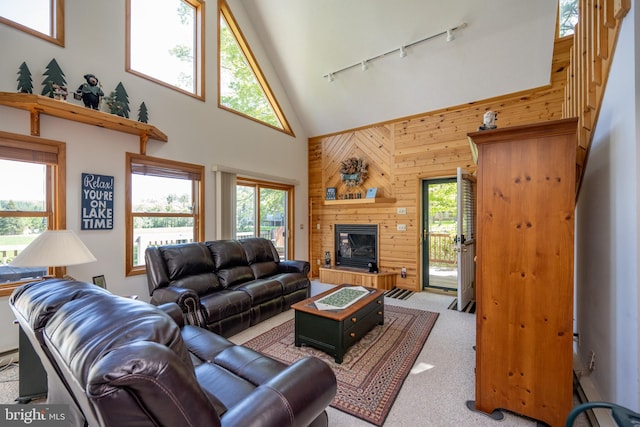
{"x":174,"y":311}
{"x":186,"y":298}
{"x":293,"y":266}
{"x":295,"y":397}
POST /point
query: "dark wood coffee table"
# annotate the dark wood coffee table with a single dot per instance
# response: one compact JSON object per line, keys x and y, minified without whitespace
{"x":334,"y":331}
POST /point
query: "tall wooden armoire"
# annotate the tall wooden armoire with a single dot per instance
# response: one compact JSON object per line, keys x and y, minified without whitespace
{"x":524,"y":273}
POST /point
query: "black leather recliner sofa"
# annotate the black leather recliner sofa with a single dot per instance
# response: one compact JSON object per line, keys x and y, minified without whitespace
{"x":225,"y":286}
{"x":122,"y":362}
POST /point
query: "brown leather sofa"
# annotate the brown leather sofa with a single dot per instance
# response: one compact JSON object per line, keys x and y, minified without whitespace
{"x":120,"y":362}
{"x":225,"y":286}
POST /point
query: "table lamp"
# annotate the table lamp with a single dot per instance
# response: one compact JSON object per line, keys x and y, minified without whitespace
{"x":54,"y":248}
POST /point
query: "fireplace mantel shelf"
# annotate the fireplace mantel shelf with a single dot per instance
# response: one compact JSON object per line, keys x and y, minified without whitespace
{"x":375,"y":200}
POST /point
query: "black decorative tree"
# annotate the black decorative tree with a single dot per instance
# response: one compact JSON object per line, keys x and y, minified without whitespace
{"x":25,"y":84}
{"x":54,"y":79}
{"x":143,"y":113}
{"x":118,"y":101}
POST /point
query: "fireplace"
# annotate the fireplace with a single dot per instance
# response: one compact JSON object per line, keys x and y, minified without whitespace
{"x":356,"y":245}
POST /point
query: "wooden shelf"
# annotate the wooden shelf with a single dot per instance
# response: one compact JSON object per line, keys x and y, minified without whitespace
{"x":38,"y":104}
{"x":376,"y":200}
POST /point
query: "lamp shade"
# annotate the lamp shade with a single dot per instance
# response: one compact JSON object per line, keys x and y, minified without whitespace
{"x":54,"y":248}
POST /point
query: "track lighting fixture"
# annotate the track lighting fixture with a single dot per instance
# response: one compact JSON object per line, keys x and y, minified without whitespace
{"x":450,"y":36}
{"x":402,"y":51}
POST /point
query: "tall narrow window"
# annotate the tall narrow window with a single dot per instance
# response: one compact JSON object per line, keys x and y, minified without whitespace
{"x":32,"y":172}
{"x":164,"y":43}
{"x":40,"y":18}
{"x":242,"y":88}
{"x":165,"y":205}
{"x":265,"y":210}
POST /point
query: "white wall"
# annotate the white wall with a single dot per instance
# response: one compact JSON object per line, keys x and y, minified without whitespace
{"x":607,"y":249}
{"x":198,"y":131}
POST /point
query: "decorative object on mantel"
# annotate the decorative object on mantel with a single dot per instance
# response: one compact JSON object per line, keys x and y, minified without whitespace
{"x":371,"y":193}
{"x":354,"y":171}
{"x":54,"y":82}
{"x":25,"y":84}
{"x":330,"y":193}
{"x":489,"y":121}
{"x":118,"y":101}
{"x":327,"y":259}
{"x":90,"y":92}
{"x":373,"y":267}
{"x":143,"y":113}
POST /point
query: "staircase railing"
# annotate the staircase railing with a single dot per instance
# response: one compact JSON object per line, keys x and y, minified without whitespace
{"x":594,"y":41}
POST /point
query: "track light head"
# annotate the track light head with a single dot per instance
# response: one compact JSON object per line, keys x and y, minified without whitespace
{"x":403,"y":52}
{"x":330,"y":77}
{"x":450,"y":36}
{"x":364,"y":65}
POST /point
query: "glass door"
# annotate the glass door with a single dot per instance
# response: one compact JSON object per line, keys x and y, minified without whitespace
{"x":263,"y":210}
{"x":439,"y":230}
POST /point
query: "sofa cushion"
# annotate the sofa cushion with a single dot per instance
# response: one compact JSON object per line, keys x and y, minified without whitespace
{"x":264,"y":269}
{"x":291,"y":282}
{"x":129,"y":321}
{"x":261,"y":290}
{"x":230,"y":262}
{"x":259,"y":250}
{"x":225,"y":303}
{"x":261,"y":256}
{"x":190,"y":266}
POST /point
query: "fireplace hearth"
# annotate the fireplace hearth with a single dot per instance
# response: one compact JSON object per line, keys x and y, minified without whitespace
{"x":356,"y":245}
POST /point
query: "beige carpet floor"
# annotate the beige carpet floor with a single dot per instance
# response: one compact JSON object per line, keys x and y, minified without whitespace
{"x":436,"y":389}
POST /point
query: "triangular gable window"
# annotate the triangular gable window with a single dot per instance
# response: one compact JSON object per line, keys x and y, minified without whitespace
{"x":242,"y":87}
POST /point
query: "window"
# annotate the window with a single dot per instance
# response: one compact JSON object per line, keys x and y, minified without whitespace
{"x":164,"y":205}
{"x":242,"y":88}
{"x":165,"y":43}
{"x":568,"y":17}
{"x":31,"y":206}
{"x":265,"y":210}
{"x":40,"y":18}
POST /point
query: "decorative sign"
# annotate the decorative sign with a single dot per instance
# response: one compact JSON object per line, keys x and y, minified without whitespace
{"x":97,"y":202}
{"x":331,"y":193}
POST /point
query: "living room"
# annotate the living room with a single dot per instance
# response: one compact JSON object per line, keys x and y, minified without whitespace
{"x":199,"y":132}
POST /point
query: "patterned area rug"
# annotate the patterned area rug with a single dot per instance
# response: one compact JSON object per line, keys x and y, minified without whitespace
{"x":373,"y":369}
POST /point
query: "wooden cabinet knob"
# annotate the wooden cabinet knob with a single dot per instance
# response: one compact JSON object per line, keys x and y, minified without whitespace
{"x":379,"y":313}
{"x":379,"y":302}
{"x":352,"y":334}
{"x":354,"y":319}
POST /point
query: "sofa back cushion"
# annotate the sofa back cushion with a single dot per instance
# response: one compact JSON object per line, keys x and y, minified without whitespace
{"x":262,"y":256}
{"x":190,"y":265}
{"x":230,"y":262}
{"x":125,"y":362}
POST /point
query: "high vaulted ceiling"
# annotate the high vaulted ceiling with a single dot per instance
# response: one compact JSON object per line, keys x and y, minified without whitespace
{"x":506,"y":46}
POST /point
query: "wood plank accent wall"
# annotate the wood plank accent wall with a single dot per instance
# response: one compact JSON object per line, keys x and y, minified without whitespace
{"x":403,"y":152}
{"x":400,"y":155}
